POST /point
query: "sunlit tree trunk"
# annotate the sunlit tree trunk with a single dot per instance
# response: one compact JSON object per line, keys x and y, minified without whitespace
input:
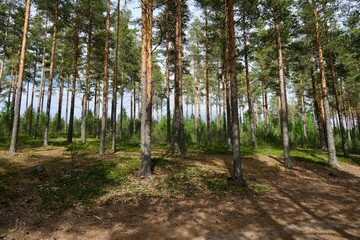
{"x":106,"y":82}
{"x":146,"y":83}
{"x":51,"y":75}
{"x":329,"y":132}
{"x":14,"y":135}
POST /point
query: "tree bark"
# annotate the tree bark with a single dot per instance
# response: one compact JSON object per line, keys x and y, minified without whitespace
{"x":303,"y":110}
{"x":167,"y":75}
{"x":248,"y":89}
{"x":14,"y":135}
{"x":32,"y":99}
{"x":61,"y":93}
{"x":284,"y":116}
{"x":87,"y":75}
{"x":41,"y":88}
{"x":51,"y":75}
{"x":330,"y":137}
{"x":237,"y":173}
{"x":207,"y":90}
{"x":115,"y":81}
{"x":146,"y":87}
{"x":333,"y":81}
{"x":74,"y":77}
{"x":179,"y":141}
{"x":106,"y":82}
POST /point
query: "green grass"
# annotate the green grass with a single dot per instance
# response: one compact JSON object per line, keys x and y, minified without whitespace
{"x":85,"y":185}
{"x":311,"y":156}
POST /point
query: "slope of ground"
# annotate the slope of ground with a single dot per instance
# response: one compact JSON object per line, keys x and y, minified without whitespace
{"x":51,"y":193}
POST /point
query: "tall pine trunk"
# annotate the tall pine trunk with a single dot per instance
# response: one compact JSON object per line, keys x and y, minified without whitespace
{"x":75,"y":72}
{"x":146,"y":87}
{"x":179,"y":141}
{"x":61,"y":93}
{"x":284,"y":116}
{"x":237,"y":173}
{"x":336,"y":95}
{"x":329,"y":132}
{"x":248,"y":88}
{"x":32,"y":99}
{"x":167,"y":75}
{"x":51,"y":75}
{"x":115,"y":82}
{"x":106,"y":82}
{"x":207,"y":90}
{"x":87,"y":75}
{"x":15,"y":130}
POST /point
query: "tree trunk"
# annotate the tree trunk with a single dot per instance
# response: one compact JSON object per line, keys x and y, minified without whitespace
{"x":106,"y":82}
{"x":167,"y":74}
{"x":27,"y":95}
{"x":237,"y":173}
{"x":75,"y":69}
{"x":333,"y":81}
{"x":41,"y":88}
{"x":121,"y":107}
{"x":303,"y":110}
{"x":207,"y":90}
{"x":115,"y":82}
{"x":265,"y":103}
{"x":4,"y":53}
{"x":61,"y":93}
{"x":52,"y":62}
{"x":179,"y":141}
{"x":146,"y":87}
{"x":330,"y":137}
{"x":32,"y":100}
{"x":248,"y":89}
{"x":284,"y":116}
{"x":67,"y":108}
{"x":14,"y":135}
{"x":227,"y":82}
{"x":87,"y":75}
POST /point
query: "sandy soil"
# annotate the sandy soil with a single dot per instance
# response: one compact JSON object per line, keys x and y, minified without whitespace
{"x":308,"y":202}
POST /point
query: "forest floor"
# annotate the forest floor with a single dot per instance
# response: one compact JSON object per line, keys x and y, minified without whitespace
{"x":72,"y":193}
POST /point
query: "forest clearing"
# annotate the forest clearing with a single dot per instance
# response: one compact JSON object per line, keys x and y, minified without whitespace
{"x":179,"y":119}
{"x":76,"y":194}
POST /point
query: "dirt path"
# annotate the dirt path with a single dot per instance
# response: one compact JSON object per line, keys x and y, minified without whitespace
{"x":309,"y":202}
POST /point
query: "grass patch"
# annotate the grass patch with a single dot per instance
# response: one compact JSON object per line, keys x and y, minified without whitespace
{"x":84,"y":186}
{"x":258,"y":188}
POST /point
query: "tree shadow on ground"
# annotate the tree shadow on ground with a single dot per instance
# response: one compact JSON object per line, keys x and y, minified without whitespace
{"x":304,"y":203}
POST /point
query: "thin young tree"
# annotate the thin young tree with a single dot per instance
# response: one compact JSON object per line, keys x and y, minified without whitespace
{"x":16,"y":121}
{"x":51,"y":75}
{"x":115,"y":81}
{"x":106,"y":82}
